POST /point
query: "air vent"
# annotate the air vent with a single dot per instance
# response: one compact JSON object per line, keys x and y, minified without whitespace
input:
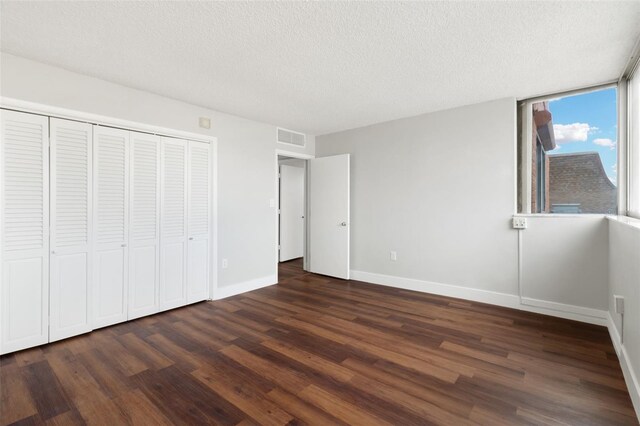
{"x":292,"y":138}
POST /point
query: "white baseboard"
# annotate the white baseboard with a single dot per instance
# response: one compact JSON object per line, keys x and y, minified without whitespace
{"x":576,"y":313}
{"x":630,"y":377}
{"x":243,"y":287}
{"x":563,"y":310}
{"x":484,"y":296}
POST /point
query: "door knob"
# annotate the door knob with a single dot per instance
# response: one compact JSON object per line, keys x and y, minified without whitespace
{"x":343,"y":224}
{"x":123,"y":245}
{"x":190,"y":238}
{"x":53,"y":252}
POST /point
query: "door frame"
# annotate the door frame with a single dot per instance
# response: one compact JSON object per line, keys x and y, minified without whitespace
{"x":299,"y":156}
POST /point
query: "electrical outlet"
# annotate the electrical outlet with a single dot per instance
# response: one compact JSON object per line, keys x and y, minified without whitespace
{"x":393,"y":255}
{"x":619,"y":304}
{"x":225,"y":263}
{"x":519,"y":222}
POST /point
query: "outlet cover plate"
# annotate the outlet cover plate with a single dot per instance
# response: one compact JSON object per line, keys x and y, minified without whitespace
{"x":519,"y":222}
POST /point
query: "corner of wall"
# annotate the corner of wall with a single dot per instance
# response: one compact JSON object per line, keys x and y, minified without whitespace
{"x":630,"y":377}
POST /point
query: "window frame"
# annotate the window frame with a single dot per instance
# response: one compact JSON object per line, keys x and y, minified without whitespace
{"x":525,"y":141}
{"x":632,"y":138}
{"x":541,"y":174}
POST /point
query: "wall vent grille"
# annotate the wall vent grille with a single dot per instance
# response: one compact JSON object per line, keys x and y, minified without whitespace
{"x":290,"y":137}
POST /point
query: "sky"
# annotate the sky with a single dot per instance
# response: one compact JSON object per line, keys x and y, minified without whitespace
{"x":587,"y":123}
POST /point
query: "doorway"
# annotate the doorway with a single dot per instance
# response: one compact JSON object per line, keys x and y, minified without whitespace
{"x":312,"y":213}
{"x":291,"y":210}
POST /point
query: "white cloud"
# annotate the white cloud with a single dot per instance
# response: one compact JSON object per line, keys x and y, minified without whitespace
{"x":576,"y":132}
{"x":605,"y":142}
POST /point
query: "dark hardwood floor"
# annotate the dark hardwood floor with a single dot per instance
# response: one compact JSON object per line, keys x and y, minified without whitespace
{"x":315,"y":350}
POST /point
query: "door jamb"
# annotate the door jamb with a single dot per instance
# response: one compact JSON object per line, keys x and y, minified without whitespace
{"x":300,"y":156}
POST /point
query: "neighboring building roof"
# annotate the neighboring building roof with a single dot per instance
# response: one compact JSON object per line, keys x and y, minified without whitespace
{"x":543,"y":121}
{"x":580,"y":178}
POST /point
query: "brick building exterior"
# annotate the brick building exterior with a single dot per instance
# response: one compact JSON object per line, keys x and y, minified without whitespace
{"x":578,"y":182}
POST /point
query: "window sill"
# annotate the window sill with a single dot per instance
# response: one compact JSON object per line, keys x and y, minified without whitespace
{"x":629,"y":221}
{"x":556,"y":215}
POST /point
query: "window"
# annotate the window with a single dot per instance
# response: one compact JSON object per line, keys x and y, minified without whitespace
{"x":569,"y":151}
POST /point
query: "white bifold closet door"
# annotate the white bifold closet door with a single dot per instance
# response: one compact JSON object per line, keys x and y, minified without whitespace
{"x":144,"y":247}
{"x":70,"y":294}
{"x":173,"y":227}
{"x":199,"y":221}
{"x":111,"y":224}
{"x":24,"y":226}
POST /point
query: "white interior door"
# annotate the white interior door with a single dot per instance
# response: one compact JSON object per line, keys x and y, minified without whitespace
{"x":199,"y":221}
{"x":24,"y":226}
{"x":291,"y":212}
{"x":173,"y":227}
{"x":329,"y":215}
{"x":144,"y":236}
{"x":70,"y":295}
{"x":111,"y":211}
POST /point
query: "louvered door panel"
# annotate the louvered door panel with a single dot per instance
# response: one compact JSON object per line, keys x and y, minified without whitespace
{"x":70,"y":296}
{"x":173,"y":237}
{"x":111,"y":221}
{"x":24,"y":225}
{"x":175,"y":195}
{"x":111,"y":187}
{"x":199,"y":221}
{"x":145,"y":225}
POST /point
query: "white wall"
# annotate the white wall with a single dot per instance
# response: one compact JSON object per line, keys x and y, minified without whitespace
{"x":565,"y":260}
{"x":624,"y":280}
{"x":439,"y":189}
{"x":246,"y":150}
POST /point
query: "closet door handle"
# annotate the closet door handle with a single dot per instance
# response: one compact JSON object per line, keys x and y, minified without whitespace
{"x":190,"y":238}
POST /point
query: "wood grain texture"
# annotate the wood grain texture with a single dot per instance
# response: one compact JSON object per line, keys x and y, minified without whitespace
{"x":316,"y":350}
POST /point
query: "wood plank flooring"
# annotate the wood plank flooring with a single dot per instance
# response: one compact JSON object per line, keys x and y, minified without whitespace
{"x":316,"y":350}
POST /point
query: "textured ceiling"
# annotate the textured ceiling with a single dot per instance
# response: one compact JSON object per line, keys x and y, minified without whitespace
{"x":320,"y":67}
